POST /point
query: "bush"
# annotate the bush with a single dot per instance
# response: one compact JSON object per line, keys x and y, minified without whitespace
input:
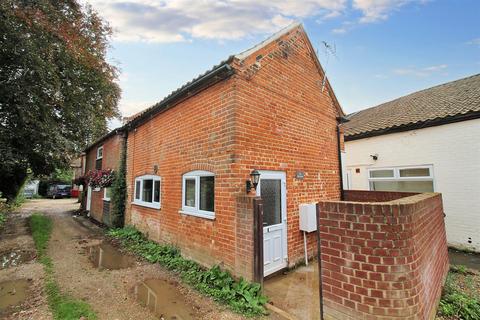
{"x":240,"y":295}
{"x":3,"y":219}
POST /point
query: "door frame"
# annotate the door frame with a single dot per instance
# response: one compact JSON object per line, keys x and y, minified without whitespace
{"x":268,"y":174}
{"x":89,"y":198}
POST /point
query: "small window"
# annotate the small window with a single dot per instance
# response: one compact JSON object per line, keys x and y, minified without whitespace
{"x":190,"y":192}
{"x":403,"y":179}
{"x":415,"y":172}
{"x":199,"y":194}
{"x":381,"y":173}
{"x":147,"y":191}
{"x":137,"y":189}
{"x":100,"y":152}
{"x":106,"y":193}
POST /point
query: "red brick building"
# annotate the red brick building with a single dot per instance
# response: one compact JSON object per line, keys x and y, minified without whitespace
{"x":269,"y":110}
{"x":189,"y":156}
{"x":102,"y":155}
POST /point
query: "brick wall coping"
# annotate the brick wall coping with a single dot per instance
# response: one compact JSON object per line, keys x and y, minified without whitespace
{"x":405,"y":200}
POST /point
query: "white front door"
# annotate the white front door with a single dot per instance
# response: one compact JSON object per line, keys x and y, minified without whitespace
{"x":89,"y":198}
{"x":272,"y":189}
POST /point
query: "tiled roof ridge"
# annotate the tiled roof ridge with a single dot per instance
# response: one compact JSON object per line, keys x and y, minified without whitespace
{"x":414,"y":93}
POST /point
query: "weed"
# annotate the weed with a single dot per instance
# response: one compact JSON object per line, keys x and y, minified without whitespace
{"x":240,"y":295}
{"x":457,"y":304}
{"x":63,"y":306}
{"x":461,"y":269}
{"x":5,"y":209}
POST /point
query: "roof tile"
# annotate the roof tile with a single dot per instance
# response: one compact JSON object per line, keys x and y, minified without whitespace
{"x":446,"y":100}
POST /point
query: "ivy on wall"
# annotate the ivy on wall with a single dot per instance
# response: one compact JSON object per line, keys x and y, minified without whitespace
{"x":119,"y":191}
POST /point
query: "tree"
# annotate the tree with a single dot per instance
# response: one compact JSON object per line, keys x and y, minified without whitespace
{"x":57,"y":91}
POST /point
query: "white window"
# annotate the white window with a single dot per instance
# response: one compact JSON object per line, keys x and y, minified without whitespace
{"x":100,"y":152}
{"x":147,"y":191}
{"x":198,"y":194}
{"x":404,"y":179}
{"x":106,"y":193}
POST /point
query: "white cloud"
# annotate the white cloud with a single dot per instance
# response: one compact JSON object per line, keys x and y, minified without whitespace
{"x":340,"y":30}
{"x":181,"y":20}
{"x":474,"y":42}
{"x":345,"y":27}
{"x":129,"y":108}
{"x":375,"y":10}
{"x":420,"y":72}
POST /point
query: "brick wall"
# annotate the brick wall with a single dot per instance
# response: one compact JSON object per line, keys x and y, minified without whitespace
{"x":112,"y":147}
{"x":384,"y":260}
{"x":197,"y":134}
{"x":271,"y":115}
{"x":285,"y":122}
{"x":374,"y":196}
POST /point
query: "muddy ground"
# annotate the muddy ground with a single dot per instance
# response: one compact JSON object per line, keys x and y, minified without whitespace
{"x":111,"y":293}
{"x":15,"y":240}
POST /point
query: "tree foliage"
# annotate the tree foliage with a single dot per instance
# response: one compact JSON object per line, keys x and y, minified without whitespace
{"x":57,"y":91}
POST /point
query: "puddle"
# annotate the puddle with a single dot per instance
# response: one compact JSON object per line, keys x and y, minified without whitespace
{"x":164,"y":300}
{"x":14,"y":258}
{"x":106,"y":256}
{"x":13,"y":293}
{"x":469,"y":260}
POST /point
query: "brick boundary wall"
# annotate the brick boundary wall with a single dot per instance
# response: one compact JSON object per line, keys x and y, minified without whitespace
{"x":374,"y":196}
{"x":383,"y":260}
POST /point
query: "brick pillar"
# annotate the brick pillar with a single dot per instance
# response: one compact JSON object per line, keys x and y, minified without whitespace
{"x":244,"y":248}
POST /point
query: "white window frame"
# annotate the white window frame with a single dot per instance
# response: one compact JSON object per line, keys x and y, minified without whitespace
{"x":195,"y":211}
{"x":140,"y":202}
{"x":98,"y":151}
{"x":397,"y":177}
{"x":105,"y":194}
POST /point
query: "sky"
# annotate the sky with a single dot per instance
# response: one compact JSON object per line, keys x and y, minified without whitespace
{"x":381,"y":49}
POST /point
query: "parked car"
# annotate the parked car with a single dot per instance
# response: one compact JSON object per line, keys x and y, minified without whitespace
{"x":59,"y":191}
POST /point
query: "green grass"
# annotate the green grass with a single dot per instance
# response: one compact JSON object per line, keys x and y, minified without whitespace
{"x":458,"y":302}
{"x":239,"y":295}
{"x":62,"y":306}
{"x":41,"y":227}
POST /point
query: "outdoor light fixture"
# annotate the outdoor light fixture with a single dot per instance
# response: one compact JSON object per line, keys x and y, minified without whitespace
{"x":253,"y":182}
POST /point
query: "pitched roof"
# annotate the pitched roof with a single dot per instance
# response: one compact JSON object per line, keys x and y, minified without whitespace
{"x":450,"y":102}
{"x":217,"y":73}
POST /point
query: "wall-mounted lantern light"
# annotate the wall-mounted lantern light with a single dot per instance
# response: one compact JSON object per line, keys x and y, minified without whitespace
{"x":253,"y":182}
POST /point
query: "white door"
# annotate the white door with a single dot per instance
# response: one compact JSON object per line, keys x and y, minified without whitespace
{"x":272,"y":189}
{"x":89,"y":198}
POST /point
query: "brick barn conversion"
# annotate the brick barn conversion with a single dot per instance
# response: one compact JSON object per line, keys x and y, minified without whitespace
{"x":268,"y":110}
{"x":189,"y":156}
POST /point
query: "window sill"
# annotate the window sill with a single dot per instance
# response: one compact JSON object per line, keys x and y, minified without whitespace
{"x":147,"y":205}
{"x":209,"y":216}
